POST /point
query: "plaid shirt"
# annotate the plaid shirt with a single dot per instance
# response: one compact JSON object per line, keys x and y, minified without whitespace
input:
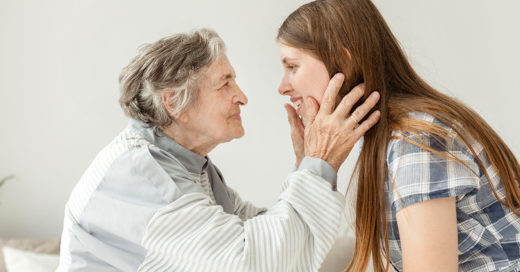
{"x":488,"y":233}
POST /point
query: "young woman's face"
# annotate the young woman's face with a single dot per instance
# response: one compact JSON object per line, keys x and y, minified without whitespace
{"x":304,"y":76}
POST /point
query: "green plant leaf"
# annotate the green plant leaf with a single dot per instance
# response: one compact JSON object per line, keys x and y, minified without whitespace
{"x":5,"y":179}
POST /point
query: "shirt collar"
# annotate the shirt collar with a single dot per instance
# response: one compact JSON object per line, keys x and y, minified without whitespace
{"x":192,"y":161}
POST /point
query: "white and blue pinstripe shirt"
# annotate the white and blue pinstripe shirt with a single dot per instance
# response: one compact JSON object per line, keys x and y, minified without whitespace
{"x":148,"y":204}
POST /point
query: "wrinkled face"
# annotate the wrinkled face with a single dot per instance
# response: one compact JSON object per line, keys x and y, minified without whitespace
{"x":216,"y":115}
{"x":304,"y":76}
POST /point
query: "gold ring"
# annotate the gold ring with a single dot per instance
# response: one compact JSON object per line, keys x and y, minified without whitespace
{"x":356,"y":123}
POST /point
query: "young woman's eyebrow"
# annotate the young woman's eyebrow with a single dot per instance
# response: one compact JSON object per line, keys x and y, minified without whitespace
{"x":285,"y":60}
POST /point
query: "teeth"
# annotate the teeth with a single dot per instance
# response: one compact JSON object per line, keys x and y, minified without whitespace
{"x":297,"y":103}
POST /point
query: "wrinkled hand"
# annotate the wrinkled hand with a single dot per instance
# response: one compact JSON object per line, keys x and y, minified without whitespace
{"x":331,"y":134}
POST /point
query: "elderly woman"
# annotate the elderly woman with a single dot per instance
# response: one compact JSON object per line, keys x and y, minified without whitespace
{"x":153,"y":201}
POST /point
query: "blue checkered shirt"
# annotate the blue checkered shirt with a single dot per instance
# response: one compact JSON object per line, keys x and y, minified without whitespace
{"x":488,"y":233}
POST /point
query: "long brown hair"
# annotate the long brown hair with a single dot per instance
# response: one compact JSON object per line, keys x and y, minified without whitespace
{"x":351,"y":36}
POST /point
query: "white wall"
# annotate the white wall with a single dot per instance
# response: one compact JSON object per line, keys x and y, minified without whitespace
{"x":60,"y":60}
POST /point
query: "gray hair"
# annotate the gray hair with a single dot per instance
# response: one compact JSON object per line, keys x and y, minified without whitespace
{"x":173,"y":62}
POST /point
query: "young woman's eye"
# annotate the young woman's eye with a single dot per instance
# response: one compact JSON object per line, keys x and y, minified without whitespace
{"x":291,"y":67}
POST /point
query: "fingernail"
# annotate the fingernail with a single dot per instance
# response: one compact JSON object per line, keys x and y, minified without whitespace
{"x":340,"y":76}
{"x":375,"y":94}
{"x":308,"y":101}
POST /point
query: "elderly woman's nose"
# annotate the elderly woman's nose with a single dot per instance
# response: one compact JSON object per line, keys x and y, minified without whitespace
{"x":240,"y":98}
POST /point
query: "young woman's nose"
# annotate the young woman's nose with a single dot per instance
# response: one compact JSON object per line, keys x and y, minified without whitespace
{"x":285,"y":87}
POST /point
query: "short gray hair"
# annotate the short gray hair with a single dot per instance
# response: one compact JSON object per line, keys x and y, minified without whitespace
{"x":173,"y":62}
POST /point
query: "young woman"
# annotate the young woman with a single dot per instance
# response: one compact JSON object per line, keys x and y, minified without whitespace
{"x":437,"y":187}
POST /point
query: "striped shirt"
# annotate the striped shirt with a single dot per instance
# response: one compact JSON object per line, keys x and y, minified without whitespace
{"x":488,"y":233}
{"x":148,"y":204}
{"x":203,"y":181}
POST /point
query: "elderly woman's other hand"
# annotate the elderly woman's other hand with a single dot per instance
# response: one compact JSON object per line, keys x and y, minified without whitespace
{"x":330,"y":134}
{"x":297,"y":132}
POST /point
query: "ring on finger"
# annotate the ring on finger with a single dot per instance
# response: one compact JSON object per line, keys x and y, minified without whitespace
{"x":356,"y":122}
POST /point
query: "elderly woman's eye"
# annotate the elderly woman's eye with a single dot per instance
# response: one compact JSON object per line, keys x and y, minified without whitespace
{"x":225,"y":85}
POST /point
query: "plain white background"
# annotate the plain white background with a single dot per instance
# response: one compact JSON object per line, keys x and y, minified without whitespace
{"x":60,"y":60}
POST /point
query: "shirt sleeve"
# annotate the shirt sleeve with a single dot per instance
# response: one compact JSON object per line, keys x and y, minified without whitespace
{"x":417,"y":174}
{"x":244,"y":209}
{"x":295,"y":234}
{"x":320,"y":168}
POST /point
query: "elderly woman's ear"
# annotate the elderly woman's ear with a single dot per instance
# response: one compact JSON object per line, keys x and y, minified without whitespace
{"x":166,"y":99}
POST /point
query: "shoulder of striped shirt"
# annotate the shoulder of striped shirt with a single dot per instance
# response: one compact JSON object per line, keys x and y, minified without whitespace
{"x":94,"y":174}
{"x":89,"y":182}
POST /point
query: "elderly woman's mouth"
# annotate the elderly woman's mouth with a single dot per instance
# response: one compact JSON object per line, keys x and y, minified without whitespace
{"x":236,"y":116}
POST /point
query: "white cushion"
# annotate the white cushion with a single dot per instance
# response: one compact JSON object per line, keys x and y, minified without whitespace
{"x":22,"y":261}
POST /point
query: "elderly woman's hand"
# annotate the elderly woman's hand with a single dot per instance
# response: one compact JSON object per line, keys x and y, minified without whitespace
{"x":331,"y":134}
